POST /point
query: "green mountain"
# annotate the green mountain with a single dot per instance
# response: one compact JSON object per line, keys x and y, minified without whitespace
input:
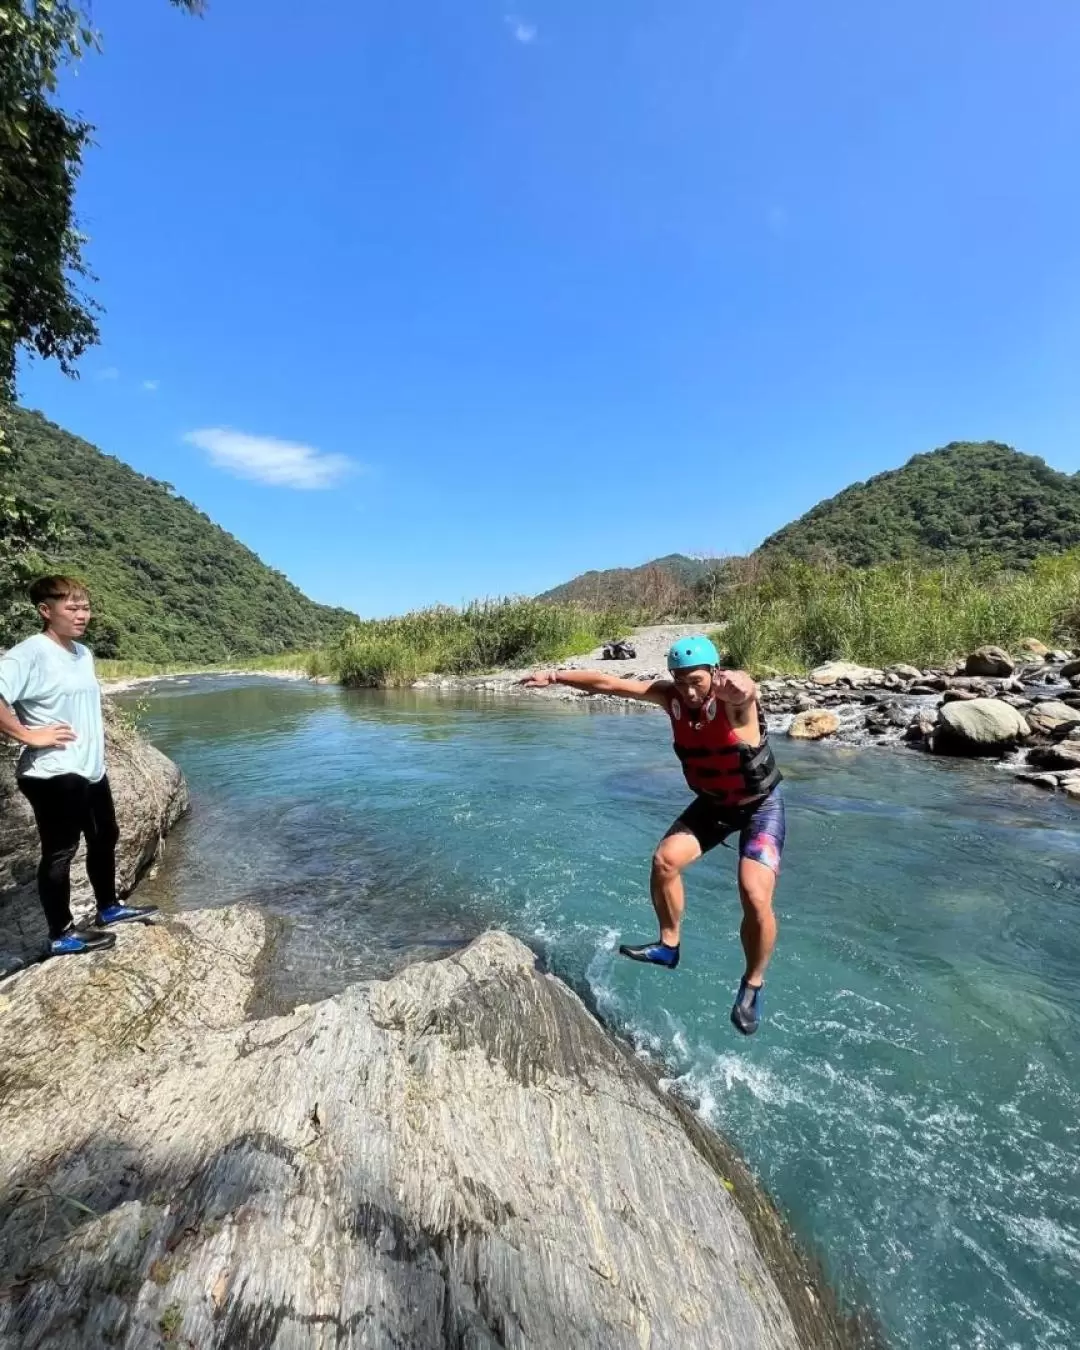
{"x":650,"y":584}
{"x":167,"y":583}
{"x":977,"y":499}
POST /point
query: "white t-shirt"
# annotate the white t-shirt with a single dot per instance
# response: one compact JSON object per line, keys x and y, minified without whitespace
{"x":44,"y":683}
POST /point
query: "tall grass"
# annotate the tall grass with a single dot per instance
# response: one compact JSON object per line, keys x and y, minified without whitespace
{"x":793,"y":616}
{"x":134,"y":670}
{"x":485,"y":635}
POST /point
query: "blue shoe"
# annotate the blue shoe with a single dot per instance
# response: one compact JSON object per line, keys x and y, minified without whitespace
{"x":126,"y":914}
{"x":748,"y":1011}
{"x":75,"y":941}
{"x":655,"y":953}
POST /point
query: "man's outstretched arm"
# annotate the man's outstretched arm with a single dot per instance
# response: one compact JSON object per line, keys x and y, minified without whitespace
{"x":596,"y":682}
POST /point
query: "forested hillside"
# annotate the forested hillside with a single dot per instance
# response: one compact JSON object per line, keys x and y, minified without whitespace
{"x":168,"y":584}
{"x":647,"y":586}
{"x":976,"y":500}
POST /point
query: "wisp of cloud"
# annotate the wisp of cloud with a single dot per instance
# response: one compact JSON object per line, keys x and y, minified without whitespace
{"x":267,"y":460}
{"x":521,"y":30}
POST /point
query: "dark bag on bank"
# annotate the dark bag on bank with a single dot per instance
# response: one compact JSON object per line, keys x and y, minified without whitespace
{"x":619,"y":651}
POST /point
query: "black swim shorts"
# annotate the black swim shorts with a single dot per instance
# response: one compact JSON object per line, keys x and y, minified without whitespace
{"x":761,"y":827}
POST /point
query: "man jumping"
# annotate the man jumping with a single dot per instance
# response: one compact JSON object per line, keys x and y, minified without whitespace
{"x":722,"y":742}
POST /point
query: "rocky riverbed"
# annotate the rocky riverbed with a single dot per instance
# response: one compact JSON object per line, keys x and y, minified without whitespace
{"x":1019,"y":710}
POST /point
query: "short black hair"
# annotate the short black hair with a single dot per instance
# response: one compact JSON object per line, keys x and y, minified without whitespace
{"x":44,"y":589}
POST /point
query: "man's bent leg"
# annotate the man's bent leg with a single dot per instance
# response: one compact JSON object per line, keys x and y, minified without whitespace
{"x":761,"y":844}
{"x":675,"y":851}
{"x":758,"y":932}
{"x":678,"y":849}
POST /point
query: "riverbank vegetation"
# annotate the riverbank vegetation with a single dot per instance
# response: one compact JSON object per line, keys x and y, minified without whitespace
{"x":791,"y":616}
{"x":770,"y":615}
{"x":486,"y":635}
{"x":300,"y":662}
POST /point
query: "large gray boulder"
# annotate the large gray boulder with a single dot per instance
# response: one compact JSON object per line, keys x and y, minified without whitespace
{"x":980,"y":726}
{"x":459,"y":1156}
{"x":150,"y":796}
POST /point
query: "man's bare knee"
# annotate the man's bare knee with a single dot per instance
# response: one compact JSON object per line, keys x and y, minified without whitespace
{"x":666,"y":864}
{"x":756,"y":890}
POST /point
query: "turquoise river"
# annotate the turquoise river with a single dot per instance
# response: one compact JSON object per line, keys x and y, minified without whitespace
{"x":913,"y":1100}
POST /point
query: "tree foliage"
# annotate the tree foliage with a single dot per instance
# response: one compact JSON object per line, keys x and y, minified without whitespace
{"x":975,"y":500}
{"x":167,"y":583}
{"x":43,"y":308}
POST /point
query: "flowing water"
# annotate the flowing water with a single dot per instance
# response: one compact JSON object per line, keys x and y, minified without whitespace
{"x":913,"y":1100}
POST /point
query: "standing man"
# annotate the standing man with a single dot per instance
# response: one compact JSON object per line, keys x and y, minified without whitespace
{"x":50,"y":702}
{"x":723,"y":744}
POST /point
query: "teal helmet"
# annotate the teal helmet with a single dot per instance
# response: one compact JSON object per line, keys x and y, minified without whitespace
{"x":688,"y":652}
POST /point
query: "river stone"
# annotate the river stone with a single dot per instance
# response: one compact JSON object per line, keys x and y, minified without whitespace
{"x":904,"y":672}
{"x":814,"y":725}
{"x":1053,"y":717}
{"x":1063,"y":755}
{"x":958,"y":695}
{"x":1069,"y":669}
{"x":989,"y":661}
{"x":150,"y":796}
{"x":930,"y":684}
{"x":1058,"y":657}
{"x":458,"y":1156}
{"x":1030,"y":673}
{"x":1047,"y":781}
{"x":982,"y":726}
{"x":1035,"y":647}
{"x":921,"y":726}
{"x":832,"y":672}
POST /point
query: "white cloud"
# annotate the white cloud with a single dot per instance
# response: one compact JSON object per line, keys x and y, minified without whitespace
{"x":521,"y":30}
{"x":107,"y":373}
{"x":151,"y":386}
{"x":267,"y":460}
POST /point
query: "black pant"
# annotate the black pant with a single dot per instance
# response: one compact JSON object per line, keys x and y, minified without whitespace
{"x":66,"y":807}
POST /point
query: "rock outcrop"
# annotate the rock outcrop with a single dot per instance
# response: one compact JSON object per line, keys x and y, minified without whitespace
{"x":459,"y":1157}
{"x":150,"y":796}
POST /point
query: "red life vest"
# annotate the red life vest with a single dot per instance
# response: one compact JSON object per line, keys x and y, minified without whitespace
{"x":714,"y":761}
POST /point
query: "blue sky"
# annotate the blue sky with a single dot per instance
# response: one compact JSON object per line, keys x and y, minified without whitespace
{"x":493,"y":295}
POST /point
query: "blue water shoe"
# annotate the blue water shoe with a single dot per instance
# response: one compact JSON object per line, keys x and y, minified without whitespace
{"x":655,"y":953}
{"x":119,"y":913}
{"x":76,"y":941}
{"x":748,"y":1011}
